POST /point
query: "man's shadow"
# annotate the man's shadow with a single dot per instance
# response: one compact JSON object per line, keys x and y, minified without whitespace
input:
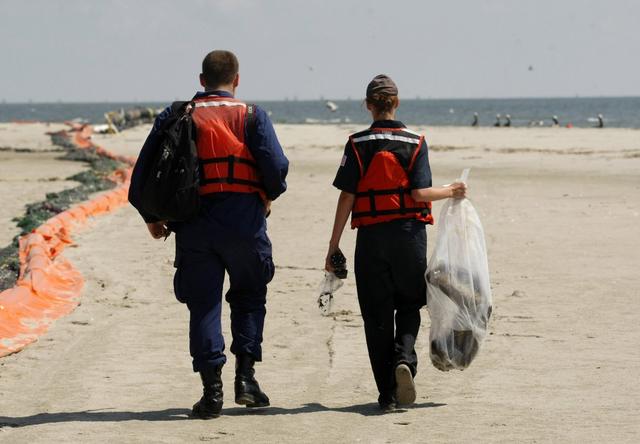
{"x":369,"y":409}
{"x":106,"y":415}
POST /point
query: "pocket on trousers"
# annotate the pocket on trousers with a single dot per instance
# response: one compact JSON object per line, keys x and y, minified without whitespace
{"x":177,"y":278}
{"x":269,"y":268}
{"x":265,"y":258}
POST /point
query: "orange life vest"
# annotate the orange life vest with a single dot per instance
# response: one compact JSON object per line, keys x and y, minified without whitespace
{"x":226,"y":163}
{"x":386,"y":156}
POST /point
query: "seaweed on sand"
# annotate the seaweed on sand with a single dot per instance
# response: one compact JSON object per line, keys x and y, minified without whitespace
{"x":95,"y":179}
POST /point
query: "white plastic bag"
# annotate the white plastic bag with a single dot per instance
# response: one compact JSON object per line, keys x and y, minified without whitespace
{"x":458,"y":288}
{"x":328,"y":286}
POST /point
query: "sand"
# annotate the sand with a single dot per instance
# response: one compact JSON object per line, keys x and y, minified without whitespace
{"x":29,"y":136}
{"x":29,"y":169}
{"x":561,"y":214}
{"x":26,"y":177}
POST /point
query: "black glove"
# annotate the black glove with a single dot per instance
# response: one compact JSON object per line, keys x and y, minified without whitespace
{"x":339,"y":263}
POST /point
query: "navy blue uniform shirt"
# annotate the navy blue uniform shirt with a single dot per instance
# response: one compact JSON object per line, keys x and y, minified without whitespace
{"x":348,"y":174}
{"x":263,"y":145}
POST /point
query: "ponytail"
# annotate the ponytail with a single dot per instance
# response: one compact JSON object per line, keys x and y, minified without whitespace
{"x":382,"y":103}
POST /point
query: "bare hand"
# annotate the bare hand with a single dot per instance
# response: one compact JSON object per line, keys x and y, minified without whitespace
{"x":267,"y":208}
{"x":458,"y":190}
{"x":158,"y":230}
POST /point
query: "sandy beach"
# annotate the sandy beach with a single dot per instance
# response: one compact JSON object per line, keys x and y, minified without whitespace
{"x":29,"y":168}
{"x":561,"y":213}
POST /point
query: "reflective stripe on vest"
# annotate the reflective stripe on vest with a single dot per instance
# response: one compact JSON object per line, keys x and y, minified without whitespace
{"x":227,"y":165}
{"x":386,"y":156}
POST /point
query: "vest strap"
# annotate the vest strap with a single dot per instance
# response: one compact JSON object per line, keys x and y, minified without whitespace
{"x":372,"y":203}
{"x":231,"y":162}
{"x":236,"y":181}
{"x":373,"y":212}
{"x":385,"y":192}
{"x":403,"y":209}
{"x":423,"y":211}
{"x":227,"y":159}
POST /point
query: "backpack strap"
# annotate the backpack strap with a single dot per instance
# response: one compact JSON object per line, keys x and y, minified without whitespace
{"x":175,"y":106}
{"x":181,"y":105}
{"x":251,"y":118}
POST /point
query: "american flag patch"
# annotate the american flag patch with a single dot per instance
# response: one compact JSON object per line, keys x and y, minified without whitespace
{"x":344,"y":160}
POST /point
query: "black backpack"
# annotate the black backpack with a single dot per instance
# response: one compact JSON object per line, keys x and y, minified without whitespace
{"x":172,"y":174}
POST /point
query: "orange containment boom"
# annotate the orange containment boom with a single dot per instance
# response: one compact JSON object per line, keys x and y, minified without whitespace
{"x":48,"y":286}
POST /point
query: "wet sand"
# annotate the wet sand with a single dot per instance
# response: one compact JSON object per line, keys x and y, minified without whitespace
{"x":561,"y":214}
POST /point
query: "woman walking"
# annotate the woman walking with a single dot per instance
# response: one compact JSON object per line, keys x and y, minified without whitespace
{"x":385,"y":183}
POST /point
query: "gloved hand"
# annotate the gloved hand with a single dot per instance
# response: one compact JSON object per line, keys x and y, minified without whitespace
{"x":339,"y":264}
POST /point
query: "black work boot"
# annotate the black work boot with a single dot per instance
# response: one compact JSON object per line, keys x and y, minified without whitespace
{"x":247,"y":390}
{"x":210,"y":404}
{"x":387,"y":402}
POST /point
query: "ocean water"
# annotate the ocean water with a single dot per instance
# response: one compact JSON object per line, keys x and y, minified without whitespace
{"x":618,"y":112}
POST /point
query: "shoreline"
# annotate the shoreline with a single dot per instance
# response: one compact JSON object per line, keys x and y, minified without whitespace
{"x":347,"y":124}
{"x":618,"y":112}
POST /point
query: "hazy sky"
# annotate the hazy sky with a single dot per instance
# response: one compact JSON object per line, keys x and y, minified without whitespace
{"x":144,"y":50}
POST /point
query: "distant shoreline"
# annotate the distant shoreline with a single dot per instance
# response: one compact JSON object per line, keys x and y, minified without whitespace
{"x":349,"y":125}
{"x":618,"y":112}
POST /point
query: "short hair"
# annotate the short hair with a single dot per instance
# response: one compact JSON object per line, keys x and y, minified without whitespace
{"x":219,"y":68}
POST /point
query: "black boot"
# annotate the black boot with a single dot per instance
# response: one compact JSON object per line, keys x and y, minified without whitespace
{"x":210,"y":404}
{"x":387,"y":402}
{"x":247,"y":390}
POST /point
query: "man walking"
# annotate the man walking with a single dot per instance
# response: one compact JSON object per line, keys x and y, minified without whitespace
{"x":243,"y":170}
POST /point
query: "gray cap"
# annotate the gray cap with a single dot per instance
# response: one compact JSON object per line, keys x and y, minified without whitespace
{"x":382,"y":84}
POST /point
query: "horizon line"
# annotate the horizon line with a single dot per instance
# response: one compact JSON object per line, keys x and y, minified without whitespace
{"x":348,"y":99}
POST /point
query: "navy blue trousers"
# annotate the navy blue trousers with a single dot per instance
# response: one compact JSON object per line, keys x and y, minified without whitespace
{"x":228,"y":236}
{"x":390,"y":262}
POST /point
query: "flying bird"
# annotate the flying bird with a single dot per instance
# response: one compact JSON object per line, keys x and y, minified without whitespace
{"x":331,"y":106}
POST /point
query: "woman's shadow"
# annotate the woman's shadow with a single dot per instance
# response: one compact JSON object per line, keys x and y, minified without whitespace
{"x":175,"y":414}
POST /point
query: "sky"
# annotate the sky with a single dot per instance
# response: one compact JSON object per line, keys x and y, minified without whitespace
{"x":151,"y":50}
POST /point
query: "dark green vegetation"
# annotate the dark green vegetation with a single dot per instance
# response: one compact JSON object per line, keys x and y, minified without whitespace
{"x":95,"y":179}
{"x":9,"y":265}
